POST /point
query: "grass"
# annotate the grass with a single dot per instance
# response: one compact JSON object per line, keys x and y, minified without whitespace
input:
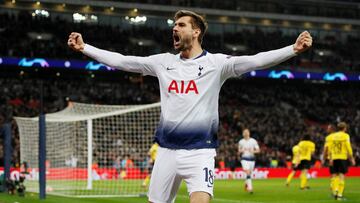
{"x":227,"y":191}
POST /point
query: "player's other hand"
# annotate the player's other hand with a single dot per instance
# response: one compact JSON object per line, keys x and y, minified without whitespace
{"x":303,"y":42}
{"x":353,"y":163}
{"x":76,"y":41}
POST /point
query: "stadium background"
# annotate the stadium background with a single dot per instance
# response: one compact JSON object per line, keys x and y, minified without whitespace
{"x":278,"y":111}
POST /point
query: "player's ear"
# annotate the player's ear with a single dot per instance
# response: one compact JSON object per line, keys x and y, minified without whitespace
{"x":196,"y":32}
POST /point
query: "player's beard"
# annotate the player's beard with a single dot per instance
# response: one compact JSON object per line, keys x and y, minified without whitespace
{"x":185,"y":43}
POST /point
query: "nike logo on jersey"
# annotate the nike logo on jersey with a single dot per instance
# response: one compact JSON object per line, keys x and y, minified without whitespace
{"x":167,"y":68}
{"x":182,"y":87}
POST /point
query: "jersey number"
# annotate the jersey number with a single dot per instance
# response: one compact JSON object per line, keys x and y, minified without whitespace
{"x":209,"y":176}
{"x":337,"y":147}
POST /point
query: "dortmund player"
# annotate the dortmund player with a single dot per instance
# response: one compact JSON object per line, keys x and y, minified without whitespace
{"x":295,"y":164}
{"x":326,"y":157}
{"x":339,"y":152}
{"x":152,"y":154}
{"x":306,"y":150}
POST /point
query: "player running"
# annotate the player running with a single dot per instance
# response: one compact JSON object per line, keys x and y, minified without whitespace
{"x":326,"y":158}
{"x":306,"y":150}
{"x":295,"y":164}
{"x":190,"y":83}
{"x":248,"y":147}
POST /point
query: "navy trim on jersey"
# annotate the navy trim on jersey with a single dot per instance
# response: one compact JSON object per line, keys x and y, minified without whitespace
{"x":186,"y":138}
{"x":248,"y":158}
{"x":202,"y":54}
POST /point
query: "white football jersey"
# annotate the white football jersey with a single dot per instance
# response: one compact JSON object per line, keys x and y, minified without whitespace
{"x":248,"y":146}
{"x":189,"y":89}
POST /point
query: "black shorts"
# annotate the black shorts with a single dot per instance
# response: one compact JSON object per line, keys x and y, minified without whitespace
{"x":295,"y":168}
{"x":304,"y":164}
{"x":331,"y":169}
{"x":340,"y":166}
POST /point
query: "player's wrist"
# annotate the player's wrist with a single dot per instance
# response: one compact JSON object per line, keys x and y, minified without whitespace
{"x":295,"y":49}
{"x":82,"y":47}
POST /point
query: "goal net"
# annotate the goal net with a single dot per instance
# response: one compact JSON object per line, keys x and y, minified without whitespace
{"x":91,"y":150}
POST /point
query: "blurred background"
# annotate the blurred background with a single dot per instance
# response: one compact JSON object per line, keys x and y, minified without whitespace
{"x":278,"y":110}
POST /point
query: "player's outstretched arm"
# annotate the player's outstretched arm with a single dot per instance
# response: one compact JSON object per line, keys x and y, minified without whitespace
{"x":76,"y":42}
{"x":262,"y":60}
{"x":303,"y":42}
{"x":115,"y":60}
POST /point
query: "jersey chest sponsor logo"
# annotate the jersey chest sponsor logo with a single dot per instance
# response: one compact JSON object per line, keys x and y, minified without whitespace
{"x":182,"y":87}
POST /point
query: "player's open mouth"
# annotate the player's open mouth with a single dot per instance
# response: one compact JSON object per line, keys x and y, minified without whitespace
{"x":176,"y":39}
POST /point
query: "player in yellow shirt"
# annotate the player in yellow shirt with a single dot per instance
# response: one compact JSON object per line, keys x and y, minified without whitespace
{"x":295,"y":162}
{"x":306,"y":150}
{"x":152,"y":154}
{"x":340,"y":151}
{"x":326,"y":158}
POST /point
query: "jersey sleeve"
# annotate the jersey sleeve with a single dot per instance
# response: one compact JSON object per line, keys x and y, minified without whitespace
{"x":312,"y":147}
{"x":327,"y":142}
{"x":348,"y":145}
{"x":136,"y":64}
{"x":234,"y":66}
{"x":256,"y":144}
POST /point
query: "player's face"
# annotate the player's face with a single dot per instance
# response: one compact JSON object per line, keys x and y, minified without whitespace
{"x":329,"y":129}
{"x":183,"y":34}
{"x":246,"y":133}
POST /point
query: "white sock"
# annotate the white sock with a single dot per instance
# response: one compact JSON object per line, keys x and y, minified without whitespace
{"x":249,"y":182}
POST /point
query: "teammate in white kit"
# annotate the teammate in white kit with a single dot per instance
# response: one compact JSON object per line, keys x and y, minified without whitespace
{"x":248,"y":147}
{"x":190,"y":83}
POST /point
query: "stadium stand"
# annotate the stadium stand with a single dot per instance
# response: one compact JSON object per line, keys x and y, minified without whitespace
{"x":278,"y":115}
{"x":331,"y":51}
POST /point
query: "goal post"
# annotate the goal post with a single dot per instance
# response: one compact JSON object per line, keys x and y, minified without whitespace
{"x":92,"y":150}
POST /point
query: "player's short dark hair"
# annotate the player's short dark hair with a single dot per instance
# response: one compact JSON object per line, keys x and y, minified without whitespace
{"x":342,"y":126}
{"x":197,"y":21}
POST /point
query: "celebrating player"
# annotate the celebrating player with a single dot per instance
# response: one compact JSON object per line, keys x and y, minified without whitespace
{"x":189,"y":83}
{"x":248,"y":147}
{"x":339,"y":152}
{"x":295,"y":163}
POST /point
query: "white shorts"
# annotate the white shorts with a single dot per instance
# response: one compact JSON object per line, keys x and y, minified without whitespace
{"x":195,"y":167}
{"x":248,"y":165}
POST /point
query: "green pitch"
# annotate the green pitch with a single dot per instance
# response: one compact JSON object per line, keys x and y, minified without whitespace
{"x":228,"y":191}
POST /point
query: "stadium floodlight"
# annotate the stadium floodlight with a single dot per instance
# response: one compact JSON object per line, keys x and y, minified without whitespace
{"x":138,"y":20}
{"x":78,"y":17}
{"x":92,"y":150}
{"x":170,"y":22}
{"x":43,"y":13}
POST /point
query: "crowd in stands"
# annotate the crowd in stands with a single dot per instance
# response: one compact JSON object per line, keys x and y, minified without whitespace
{"x":331,"y":52}
{"x":277,"y":113}
{"x":338,"y":9}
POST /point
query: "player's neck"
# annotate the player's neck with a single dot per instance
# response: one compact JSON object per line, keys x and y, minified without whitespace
{"x":193,"y":52}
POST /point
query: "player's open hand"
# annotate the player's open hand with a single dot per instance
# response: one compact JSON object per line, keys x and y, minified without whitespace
{"x":303,"y":42}
{"x":76,"y":41}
